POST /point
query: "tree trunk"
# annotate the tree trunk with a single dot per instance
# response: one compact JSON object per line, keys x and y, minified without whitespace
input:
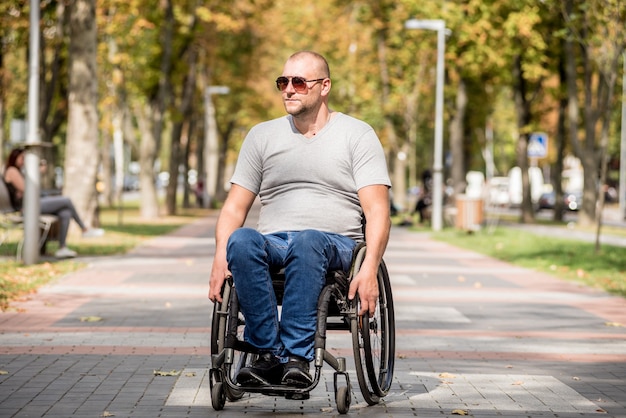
{"x":2,"y":106}
{"x":589,"y":157}
{"x":151,"y":144}
{"x":147,"y":156}
{"x":457,"y":129}
{"x":220,"y":192}
{"x":561,"y":140}
{"x":186,"y":109}
{"x":609,"y":78}
{"x":522,"y":107}
{"x":81,"y":159}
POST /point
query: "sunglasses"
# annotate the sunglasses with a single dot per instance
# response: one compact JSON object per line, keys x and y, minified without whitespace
{"x":299,"y":83}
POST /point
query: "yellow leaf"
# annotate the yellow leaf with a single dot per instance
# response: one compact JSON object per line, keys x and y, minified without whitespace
{"x":613,"y":324}
{"x":90,"y":319}
{"x":446,"y":375}
{"x":460,"y":412}
{"x":162,"y":373}
{"x":3,"y":372}
{"x":190,"y":374}
{"x":107,"y":414}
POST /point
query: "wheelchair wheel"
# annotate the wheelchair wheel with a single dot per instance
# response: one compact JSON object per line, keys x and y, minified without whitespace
{"x":218,"y":396}
{"x":343,"y":399}
{"x":373,"y":340}
{"x":223,"y":314}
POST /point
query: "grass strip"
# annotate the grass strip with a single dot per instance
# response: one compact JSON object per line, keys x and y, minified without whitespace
{"x":567,"y":259}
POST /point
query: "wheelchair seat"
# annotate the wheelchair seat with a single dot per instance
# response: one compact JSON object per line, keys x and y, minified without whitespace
{"x":373,"y":341}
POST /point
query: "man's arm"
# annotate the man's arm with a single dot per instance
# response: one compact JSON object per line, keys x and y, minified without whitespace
{"x":375,"y":203}
{"x":232,"y":216}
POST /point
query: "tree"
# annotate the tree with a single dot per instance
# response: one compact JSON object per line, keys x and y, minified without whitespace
{"x":82,"y":157}
{"x":598,"y":28}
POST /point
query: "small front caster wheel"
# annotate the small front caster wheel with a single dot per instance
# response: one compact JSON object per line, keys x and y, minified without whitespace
{"x":343,"y":399}
{"x":218,"y":396}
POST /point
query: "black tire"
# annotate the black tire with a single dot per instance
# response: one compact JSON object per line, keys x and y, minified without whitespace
{"x":358,"y":346}
{"x":343,"y":399}
{"x":379,"y":338}
{"x":373,"y":339}
{"x":218,"y":322}
{"x":222,"y":314}
{"x":218,"y":396}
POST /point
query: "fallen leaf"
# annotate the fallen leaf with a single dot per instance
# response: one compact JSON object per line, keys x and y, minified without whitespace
{"x":508,"y":366}
{"x":576,"y":378}
{"x":107,"y":414}
{"x":3,"y":372}
{"x":446,"y":375}
{"x":90,"y":319}
{"x":613,"y":324}
{"x":162,"y":373}
{"x":460,"y":412}
{"x":518,"y":383}
{"x":190,"y":374}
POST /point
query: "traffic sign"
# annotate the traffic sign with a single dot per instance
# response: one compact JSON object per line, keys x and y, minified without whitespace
{"x":538,"y":145}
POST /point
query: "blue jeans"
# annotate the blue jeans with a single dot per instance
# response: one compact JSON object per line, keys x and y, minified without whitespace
{"x":306,"y":256}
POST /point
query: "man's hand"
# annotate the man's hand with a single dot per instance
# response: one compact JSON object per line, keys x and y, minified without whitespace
{"x":365,"y":283}
{"x":216,"y":282}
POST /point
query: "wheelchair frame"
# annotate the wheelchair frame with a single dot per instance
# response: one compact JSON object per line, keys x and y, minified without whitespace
{"x":373,"y":341}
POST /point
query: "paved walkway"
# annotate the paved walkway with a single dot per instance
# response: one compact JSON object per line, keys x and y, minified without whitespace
{"x":475,"y":336}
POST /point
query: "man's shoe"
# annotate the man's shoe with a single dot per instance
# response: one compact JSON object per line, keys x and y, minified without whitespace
{"x":265,"y":370}
{"x":296,"y":373}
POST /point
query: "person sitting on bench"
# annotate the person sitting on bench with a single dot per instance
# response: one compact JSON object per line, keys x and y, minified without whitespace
{"x":60,"y":206}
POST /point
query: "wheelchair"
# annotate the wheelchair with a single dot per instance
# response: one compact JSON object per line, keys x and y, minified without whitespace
{"x":373,"y":341}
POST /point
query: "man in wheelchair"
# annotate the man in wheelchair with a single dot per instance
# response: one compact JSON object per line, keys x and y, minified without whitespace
{"x":317,"y":173}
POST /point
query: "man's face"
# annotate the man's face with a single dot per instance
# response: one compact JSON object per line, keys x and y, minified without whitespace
{"x":300,"y":102}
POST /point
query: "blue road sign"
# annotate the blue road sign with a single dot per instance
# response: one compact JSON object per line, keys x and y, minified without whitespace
{"x":538,"y":145}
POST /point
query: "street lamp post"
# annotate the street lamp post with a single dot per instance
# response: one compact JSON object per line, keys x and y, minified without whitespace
{"x":440,"y":27}
{"x":622,"y":159}
{"x":31,"y":157}
{"x":211,"y":144}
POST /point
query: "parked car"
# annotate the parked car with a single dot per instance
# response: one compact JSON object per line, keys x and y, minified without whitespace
{"x":571,"y":201}
{"x":547,"y":200}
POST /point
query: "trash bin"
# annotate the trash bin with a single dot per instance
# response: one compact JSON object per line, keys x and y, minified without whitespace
{"x":469,"y":213}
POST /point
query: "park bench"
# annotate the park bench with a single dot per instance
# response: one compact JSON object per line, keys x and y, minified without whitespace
{"x":13,"y":220}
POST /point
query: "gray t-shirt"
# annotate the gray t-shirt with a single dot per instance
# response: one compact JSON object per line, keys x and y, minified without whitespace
{"x":311,"y":183}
